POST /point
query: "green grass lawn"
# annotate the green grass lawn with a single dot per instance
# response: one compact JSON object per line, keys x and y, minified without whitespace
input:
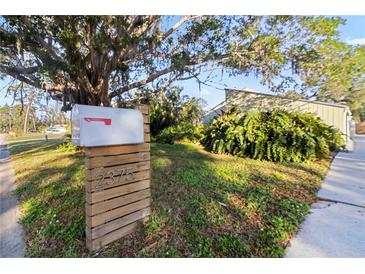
{"x":31,"y":136}
{"x":204,"y":205}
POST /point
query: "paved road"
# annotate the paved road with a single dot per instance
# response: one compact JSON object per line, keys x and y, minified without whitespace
{"x":336,"y":225}
{"x":11,"y":232}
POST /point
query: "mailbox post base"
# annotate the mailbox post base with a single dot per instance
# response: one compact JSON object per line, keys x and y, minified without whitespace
{"x":118,"y":195}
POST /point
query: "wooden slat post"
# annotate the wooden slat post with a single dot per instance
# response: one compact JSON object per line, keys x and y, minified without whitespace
{"x":117,"y":188}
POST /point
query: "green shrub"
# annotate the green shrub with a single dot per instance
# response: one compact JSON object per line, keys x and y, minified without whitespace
{"x":173,"y":116}
{"x":187,"y":132}
{"x":276,"y":135}
{"x":67,"y":145}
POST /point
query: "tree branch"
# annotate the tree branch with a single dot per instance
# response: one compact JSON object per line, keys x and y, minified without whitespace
{"x":50,"y":50}
{"x":141,"y":82}
{"x":165,"y":71}
{"x":178,"y":24}
{"x":19,"y":69}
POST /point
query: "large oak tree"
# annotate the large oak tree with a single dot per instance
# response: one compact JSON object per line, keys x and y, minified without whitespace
{"x":96,"y":59}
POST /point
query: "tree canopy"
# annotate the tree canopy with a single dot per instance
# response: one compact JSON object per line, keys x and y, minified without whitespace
{"x":97,"y":59}
{"x":338,"y":74}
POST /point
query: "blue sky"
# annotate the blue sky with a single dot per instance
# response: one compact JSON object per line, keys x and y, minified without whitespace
{"x":352,"y":32}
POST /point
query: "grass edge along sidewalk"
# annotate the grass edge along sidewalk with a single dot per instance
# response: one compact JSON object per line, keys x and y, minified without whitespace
{"x":204,"y":205}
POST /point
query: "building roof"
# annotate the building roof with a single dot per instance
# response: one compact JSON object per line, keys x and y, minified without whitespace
{"x":287,"y":97}
{"x":221,"y":104}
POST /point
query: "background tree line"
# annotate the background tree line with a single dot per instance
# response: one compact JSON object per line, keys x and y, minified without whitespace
{"x":29,"y":112}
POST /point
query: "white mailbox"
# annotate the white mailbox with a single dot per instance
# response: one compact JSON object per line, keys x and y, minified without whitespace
{"x":104,"y":126}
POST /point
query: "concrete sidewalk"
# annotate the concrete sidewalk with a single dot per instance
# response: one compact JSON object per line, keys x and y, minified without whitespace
{"x":336,"y":225}
{"x":11,"y":232}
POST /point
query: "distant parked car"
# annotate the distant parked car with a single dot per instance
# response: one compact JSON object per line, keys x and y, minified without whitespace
{"x":55,"y":131}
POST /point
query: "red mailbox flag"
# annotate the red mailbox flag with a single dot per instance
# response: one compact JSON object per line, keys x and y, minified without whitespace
{"x":106,"y":121}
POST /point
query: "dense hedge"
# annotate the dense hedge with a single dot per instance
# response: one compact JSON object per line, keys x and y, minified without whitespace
{"x":277,"y":135}
{"x":185,"y":131}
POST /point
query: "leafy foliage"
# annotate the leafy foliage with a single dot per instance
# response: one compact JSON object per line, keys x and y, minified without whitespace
{"x":11,"y":119}
{"x":173,"y":116}
{"x":67,"y":145}
{"x":338,"y":75}
{"x":94,"y":60}
{"x":277,"y":135}
{"x":185,"y":131}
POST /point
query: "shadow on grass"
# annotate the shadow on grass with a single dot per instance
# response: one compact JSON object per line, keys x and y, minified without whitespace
{"x":31,"y":146}
{"x":204,"y":205}
{"x":305,"y":168}
{"x":51,"y":190}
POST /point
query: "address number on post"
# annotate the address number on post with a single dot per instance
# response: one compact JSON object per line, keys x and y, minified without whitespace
{"x":117,"y":176}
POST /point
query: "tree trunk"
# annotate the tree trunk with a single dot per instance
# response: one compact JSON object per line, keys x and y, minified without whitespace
{"x":105,"y":100}
{"x":9,"y":123}
{"x":33,"y":119}
{"x":26,"y":118}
